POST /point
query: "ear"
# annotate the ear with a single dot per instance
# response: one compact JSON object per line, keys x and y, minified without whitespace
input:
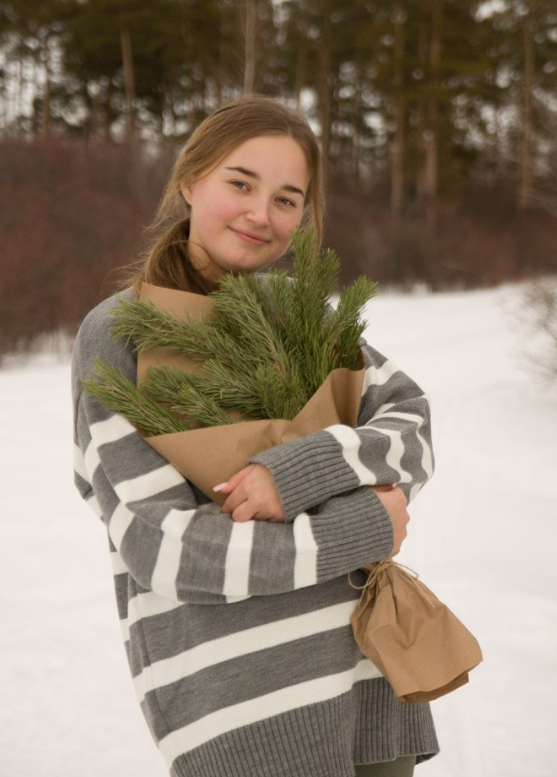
{"x":187,"y":191}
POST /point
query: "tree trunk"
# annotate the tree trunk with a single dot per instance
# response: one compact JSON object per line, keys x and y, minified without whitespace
{"x":250,"y":46}
{"x":301,"y":57}
{"x":498,"y":147}
{"x":46,"y":122}
{"x":129,"y":77}
{"x":96,"y":108}
{"x":398,"y":148}
{"x":46,"y":118}
{"x":325,"y":60}
{"x":423,"y":48}
{"x":525,"y":160}
{"x":169,"y":115}
{"x":356,"y":121}
{"x":19,"y":92}
{"x":108,"y":113}
{"x":430,"y":134}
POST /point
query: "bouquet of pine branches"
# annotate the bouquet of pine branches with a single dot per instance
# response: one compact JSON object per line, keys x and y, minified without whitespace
{"x":262,"y":360}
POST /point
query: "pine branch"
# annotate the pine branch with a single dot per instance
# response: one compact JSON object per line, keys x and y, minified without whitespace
{"x":315,"y":272}
{"x":346,"y":316}
{"x":280,"y":398}
{"x":183,"y":395}
{"x":120,"y":395}
{"x":147,"y":326}
{"x":238,"y":310}
{"x":235,"y":390}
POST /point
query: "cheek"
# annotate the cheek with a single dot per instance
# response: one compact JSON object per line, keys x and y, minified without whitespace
{"x":215,"y":210}
{"x":212,"y":205}
{"x":287,"y":224}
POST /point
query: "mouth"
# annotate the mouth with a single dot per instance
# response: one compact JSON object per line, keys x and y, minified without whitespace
{"x":250,"y":238}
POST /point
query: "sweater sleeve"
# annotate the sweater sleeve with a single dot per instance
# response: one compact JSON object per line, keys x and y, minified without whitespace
{"x":181,"y":548}
{"x":391,"y":444}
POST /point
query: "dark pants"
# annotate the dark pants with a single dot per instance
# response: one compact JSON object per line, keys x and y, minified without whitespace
{"x":402,"y":767}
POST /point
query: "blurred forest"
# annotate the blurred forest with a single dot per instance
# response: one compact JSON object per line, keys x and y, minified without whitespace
{"x":438,"y":120}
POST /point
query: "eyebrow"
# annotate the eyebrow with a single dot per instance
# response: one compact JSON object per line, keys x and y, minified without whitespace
{"x":251,"y":174}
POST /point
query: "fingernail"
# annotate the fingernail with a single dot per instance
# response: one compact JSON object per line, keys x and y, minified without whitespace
{"x":219,"y":487}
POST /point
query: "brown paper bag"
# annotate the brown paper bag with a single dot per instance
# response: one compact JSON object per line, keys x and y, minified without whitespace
{"x":415,"y":641}
{"x":212,"y":455}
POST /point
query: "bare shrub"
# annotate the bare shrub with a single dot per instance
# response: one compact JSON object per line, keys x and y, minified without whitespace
{"x":70,"y":215}
{"x":538,"y":313}
{"x":477,"y":242}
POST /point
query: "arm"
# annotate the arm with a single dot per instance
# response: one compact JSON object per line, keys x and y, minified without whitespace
{"x":182,"y":549}
{"x":390,"y":445}
{"x":253,"y":496}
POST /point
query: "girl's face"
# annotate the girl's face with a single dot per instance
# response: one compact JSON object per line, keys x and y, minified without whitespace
{"x":244,"y":210}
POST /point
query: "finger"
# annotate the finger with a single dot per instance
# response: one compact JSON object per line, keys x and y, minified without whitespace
{"x":226,"y":507}
{"x":223,"y":488}
{"x":228,"y":486}
{"x":232,"y":502}
{"x":243,"y":513}
{"x":401,"y":495}
{"x":384,"y":487}
{"x":235,"y":480}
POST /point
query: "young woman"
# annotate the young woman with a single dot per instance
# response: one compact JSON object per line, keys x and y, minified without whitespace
{"x":237,"y":621}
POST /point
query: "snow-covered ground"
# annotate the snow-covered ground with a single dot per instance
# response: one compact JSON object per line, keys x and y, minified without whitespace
{"x":483,"y":536}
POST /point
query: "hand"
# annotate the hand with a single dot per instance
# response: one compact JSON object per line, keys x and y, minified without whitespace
{"x":252,"y":495}
{"x":394,"y":501}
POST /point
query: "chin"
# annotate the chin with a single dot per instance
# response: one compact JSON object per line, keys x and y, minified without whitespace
{"x":247,"y":264}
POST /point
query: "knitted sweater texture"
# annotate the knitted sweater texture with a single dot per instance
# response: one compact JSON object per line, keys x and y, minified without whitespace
{"x":238,"y":635}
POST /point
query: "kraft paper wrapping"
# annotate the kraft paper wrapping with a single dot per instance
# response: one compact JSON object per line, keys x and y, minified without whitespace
{"x":212,"y":455}
{"x":415,"y":641}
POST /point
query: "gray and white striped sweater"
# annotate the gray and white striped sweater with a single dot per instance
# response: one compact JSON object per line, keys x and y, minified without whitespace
{"x":238,"y":635}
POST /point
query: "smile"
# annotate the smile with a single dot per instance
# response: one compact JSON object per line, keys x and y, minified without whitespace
{"x":249,"y":238}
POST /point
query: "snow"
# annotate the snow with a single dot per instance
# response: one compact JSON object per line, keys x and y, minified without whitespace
{"x":482,"y":536}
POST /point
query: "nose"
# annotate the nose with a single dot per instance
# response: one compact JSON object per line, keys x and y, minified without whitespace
{"x":258,"y":211}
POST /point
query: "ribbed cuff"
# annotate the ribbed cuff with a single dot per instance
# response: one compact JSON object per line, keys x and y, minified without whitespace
{"x":351,"y":530}
{"x":307,"y":471}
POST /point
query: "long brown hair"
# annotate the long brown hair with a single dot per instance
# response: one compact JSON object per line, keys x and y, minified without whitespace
{"x":165,"y":262}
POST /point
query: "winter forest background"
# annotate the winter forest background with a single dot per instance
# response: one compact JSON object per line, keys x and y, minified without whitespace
{"x":438,"y":119}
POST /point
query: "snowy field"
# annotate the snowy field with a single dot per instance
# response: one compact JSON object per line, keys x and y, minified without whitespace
{"x":483,"y":536}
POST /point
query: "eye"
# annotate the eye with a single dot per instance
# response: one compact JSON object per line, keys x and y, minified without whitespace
{"x":286,"y":201}
{"x":241,"y":185}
